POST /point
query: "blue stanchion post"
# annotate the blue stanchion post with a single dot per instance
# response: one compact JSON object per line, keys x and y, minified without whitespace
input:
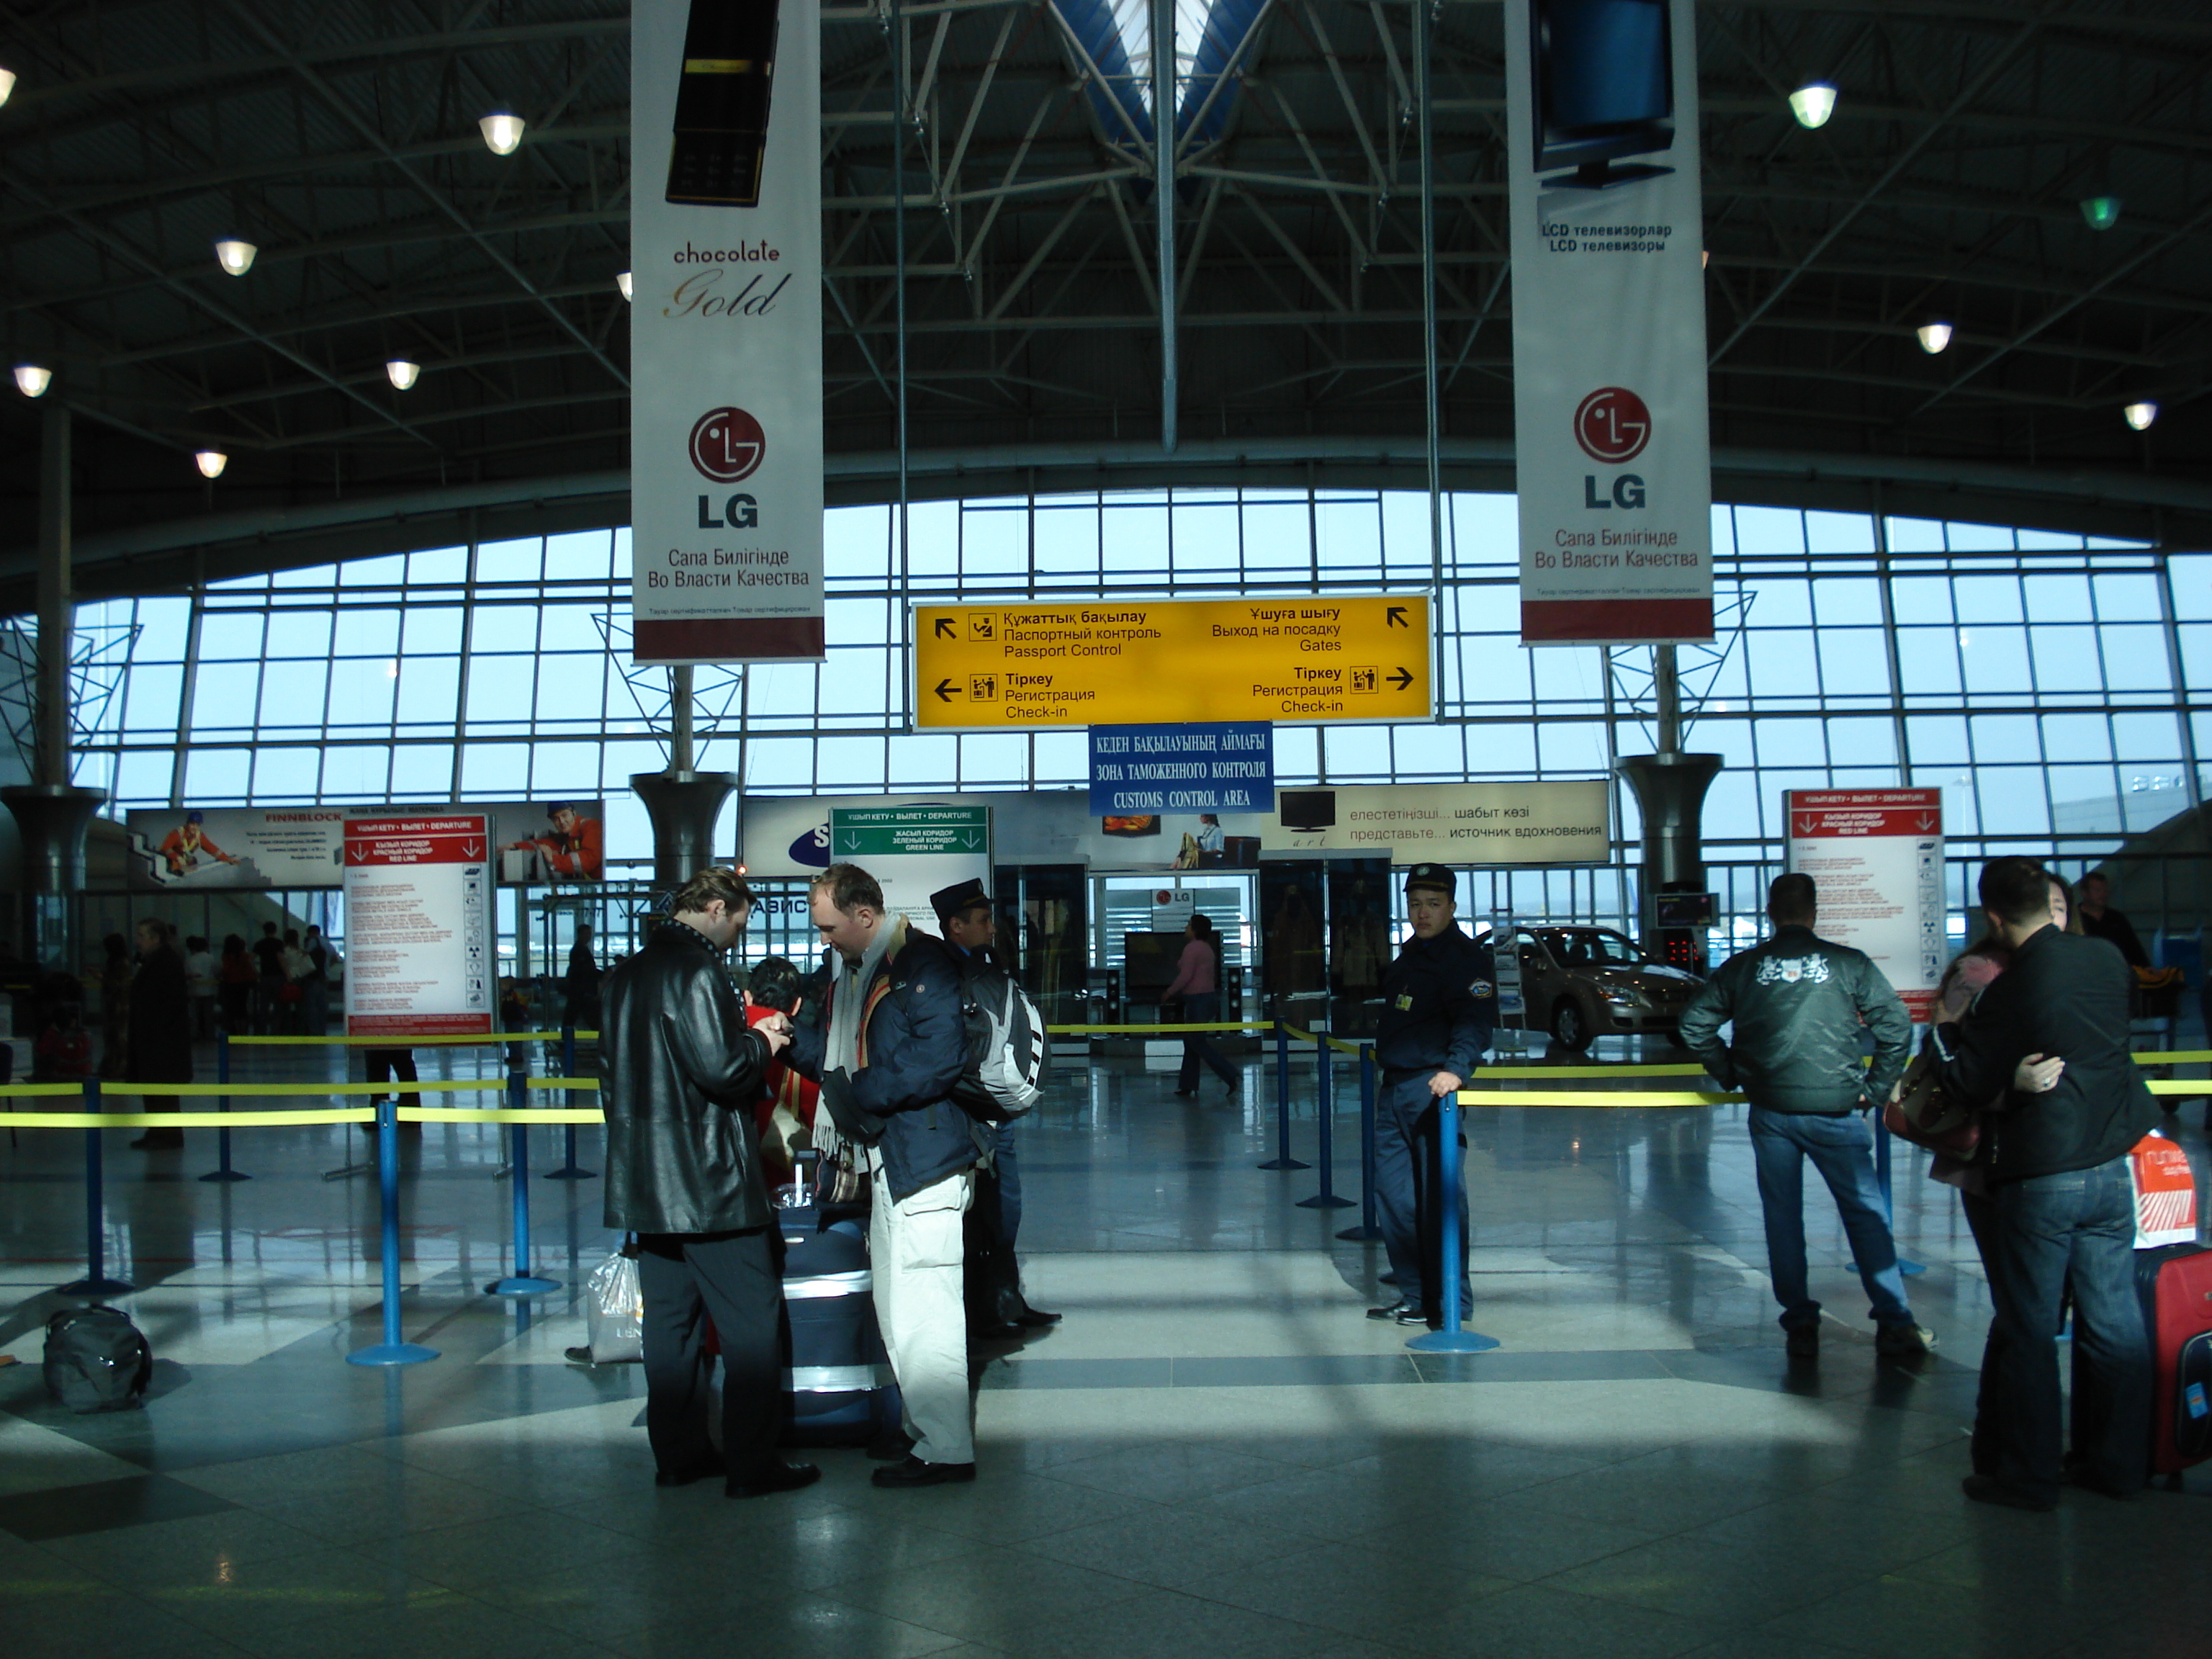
{"x":222,"y":1171}
{"x":1368,"y":1227}
{"x":392,"y":1351}
{"x":521,"y":1281}
{"x":1325,"y":1111}
{"x":569,"y":1170}
{"x":1451,"y":1339}
{"x":95,"y":1281}
{"x":1282,"y":1160}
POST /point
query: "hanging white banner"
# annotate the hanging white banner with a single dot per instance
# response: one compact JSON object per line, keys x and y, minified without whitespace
{"x":725,"y":331}
{"x":1612,"y":454}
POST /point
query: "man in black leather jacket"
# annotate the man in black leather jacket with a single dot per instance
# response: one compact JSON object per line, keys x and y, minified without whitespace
{"x":887,"y":1049}
{"x":679,"y":1074}
{"x":2061,"y":1198}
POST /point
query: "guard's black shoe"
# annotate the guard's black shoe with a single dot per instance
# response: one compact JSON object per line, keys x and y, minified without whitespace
{"x":1037,"y":1318}
{"x":687,"y":1473}
{"x":775,"y":1478}
{"x":1987,"y":1489}
{"x":916,"y":1472}
{"x":578,"y":1356}
{"x":892,"y":1448}
{"x":1406,"y":1313}
{"x":1804,"y":1341}
{"x":996,"y":1330}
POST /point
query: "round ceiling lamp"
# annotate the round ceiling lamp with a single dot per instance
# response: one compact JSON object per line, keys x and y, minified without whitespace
{"x":235,"y":254}
{"x":1934,"y":337}
{"x":502,"y":131}
{"x":7,"y":84}
{"x":621,"y":281}
{"x":2140,"y":413}
{"x":1813,"y":103}
{"x":32,"y":381}
{"x":211,"y":463}
{"x":403,"y":373}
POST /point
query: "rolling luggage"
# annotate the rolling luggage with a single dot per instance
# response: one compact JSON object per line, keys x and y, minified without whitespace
{"x":840,"y":1381}
{"x":2175,"y":1282}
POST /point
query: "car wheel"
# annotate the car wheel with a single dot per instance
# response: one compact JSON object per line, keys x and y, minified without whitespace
{"x":1571,"y":1025}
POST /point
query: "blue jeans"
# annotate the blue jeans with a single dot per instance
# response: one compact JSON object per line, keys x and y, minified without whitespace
{"x":1010,"y":1183}
{"x":2077,"y":1227}
{"x":1842,"y":1149}
{"x":1197,"y":1008}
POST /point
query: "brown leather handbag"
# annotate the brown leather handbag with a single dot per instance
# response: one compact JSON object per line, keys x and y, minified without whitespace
{"x":1921,"y":1112}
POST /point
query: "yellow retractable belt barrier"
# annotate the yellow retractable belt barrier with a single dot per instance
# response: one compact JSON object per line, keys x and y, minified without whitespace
{"x":1595,"y":1098}
{"x":487,"y":1040}
{"x":500,"y":1115}
{"x":1148,"y":1031}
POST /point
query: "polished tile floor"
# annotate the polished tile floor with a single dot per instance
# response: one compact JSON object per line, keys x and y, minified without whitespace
{"x":1214,"y":1455}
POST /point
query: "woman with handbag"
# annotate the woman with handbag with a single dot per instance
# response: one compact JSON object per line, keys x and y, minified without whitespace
{"x":1197,"y":985}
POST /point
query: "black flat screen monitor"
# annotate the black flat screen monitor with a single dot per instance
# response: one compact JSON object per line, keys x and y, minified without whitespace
{"x":1306,"y":809}
{"x":1604,"y":85}
{"x":1149,"y":963}
{"x":1686,"y":909}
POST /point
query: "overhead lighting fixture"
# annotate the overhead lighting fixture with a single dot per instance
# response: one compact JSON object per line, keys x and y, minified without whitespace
{"x":2141,"y":414}
{"x":621,"y":281}
{"x":1704,"y":257}
{"x":236,"y":254}
{"x":7,"y":84}
{"x":1934,"y":337}
{"x":502,"y":131}
{"x":1813,"y":103}
{"x":402,"y":371}
{"x":211,"y":463}
{"x":2100,"y":212}
{"x":32,"y":381}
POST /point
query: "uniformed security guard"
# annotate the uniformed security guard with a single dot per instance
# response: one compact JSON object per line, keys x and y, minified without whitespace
{"x":1439,"y":1002}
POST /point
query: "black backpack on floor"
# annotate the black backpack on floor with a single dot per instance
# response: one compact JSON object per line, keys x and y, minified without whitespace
{"x":96,"y":1359}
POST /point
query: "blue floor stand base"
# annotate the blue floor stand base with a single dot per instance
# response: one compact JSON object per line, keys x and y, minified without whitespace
{"x":1453,"y":1342}
{"x":226,"y":1174}
{"x":1360,"y":1233}
{"x":1284,"y":1163}
{"x":392,"y":1354}
{"x":1327,"y":1201}
{"x":522,"y":1284}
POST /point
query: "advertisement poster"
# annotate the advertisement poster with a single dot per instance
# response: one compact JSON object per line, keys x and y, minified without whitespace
{"x":1612,"y":451}
{"x":418,"y":895}
{"x":255,"y":848}
{"x":1491,"y":825}
{"x":1876,"y":860}
{"x":725,"y":331}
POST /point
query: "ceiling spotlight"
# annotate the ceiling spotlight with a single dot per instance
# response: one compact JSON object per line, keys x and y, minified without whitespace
{"x":402,"y":371}
{"x":621,"y":281}
{"x":1934,"y":337}
{"x":1704,"y":257}
{"x":211,"y":463}
{"x":2141,"y":414}
{"x":236,"y":255}
{"x":2100,"y":212}
{"x":502,"y":131}
{"x":7,"y":84}
{"x":1813,"y":103}
{"x":32,"y":381}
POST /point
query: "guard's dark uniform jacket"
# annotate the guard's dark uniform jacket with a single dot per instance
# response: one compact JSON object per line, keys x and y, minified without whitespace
{"x":1439,"y":1005}
{"x":914,"y":1046}
{"x":2066,"y":995}
{"x":1797,"y":1002}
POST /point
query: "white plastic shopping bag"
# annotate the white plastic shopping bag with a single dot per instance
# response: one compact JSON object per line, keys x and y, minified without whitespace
{"x":614,"y":1308}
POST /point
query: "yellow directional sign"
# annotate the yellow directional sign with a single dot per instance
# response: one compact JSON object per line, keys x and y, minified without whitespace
{"x":1141,"y":662}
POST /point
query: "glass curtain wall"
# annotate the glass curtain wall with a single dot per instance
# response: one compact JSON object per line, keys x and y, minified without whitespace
{"x":2040,"y":680}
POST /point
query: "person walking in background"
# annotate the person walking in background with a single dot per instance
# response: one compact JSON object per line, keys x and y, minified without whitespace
{"x":1797,"y":1003}
{"x":2062,"y":1203}
{"x":315,"y":983}
{"x":680,"y":1071}
{"x":115,"y":976}
{"x":234,"y":977}
{"x":200,"y":985}
{"x":1197,"y":988}
{"x":580,"y":986}
{"x":269,"y":981}
{"x":160,"y":1030}
{"x":1439,"y":1006}
{"x":2100,"y":921}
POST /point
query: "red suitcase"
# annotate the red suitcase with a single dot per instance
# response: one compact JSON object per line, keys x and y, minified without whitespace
{"x":2175,"y":1284}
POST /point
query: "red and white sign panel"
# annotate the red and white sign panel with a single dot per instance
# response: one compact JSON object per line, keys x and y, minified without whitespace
{"x":725,"y":331}
{"x":419,"y":893}
{"x":1611,"y":457}
{"x":1876,"y":857}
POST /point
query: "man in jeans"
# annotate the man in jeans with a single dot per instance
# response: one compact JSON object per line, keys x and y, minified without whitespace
{"x":2062,"y":1203}
{"x":1798,"y":1002}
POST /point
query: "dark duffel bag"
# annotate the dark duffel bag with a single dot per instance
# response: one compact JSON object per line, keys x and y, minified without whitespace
{"x":96,"y":1360}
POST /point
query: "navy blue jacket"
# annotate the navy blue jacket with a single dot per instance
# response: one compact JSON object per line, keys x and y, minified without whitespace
{"x":916,"y":1045}
{"x":1439,"y":1003}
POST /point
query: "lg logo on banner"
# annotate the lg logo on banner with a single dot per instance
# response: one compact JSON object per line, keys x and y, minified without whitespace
{"x":729,"y":445}
{"x":1613,"y":425}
